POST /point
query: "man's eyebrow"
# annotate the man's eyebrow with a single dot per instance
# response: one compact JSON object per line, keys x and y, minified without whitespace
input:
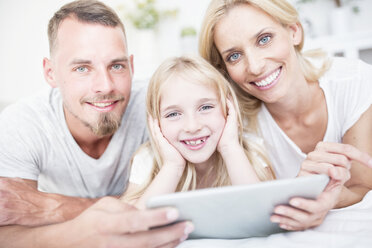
{"x":88,"y":62}
{"x":80,"y":61}
{"x":123,"y":59}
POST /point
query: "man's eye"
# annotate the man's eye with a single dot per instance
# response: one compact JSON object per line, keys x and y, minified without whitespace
{"x":117,"y":67}
{"x":233,"y":57}
{"x":264,"y":40}
{"x":81,"y":69}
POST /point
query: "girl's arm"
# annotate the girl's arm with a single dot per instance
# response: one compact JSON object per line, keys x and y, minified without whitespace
{"x":359,"y":136}
{"x":167,"y":179}
{"x":238,"y":166}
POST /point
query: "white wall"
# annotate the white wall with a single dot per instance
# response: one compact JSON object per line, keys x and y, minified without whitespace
{"x":23,"y":43}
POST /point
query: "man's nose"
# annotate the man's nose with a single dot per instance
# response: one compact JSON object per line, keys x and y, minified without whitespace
{"x":103,"y":82}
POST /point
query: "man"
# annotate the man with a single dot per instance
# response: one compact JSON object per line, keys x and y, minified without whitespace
{"x":74,"y":143}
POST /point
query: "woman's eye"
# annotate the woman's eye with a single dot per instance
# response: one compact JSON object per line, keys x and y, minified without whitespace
{"x":81,"y":69}
{"x":264,"y":40}
{"x":233,"y":57}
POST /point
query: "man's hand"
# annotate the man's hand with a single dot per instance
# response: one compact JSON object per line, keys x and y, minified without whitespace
{"x":333,"y":159}
{"x":107,"y":223}
{"x":22,"y":204}
{"x":111,"y":223}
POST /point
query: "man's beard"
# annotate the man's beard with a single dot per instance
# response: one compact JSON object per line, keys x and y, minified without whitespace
{"x":107,"y":124}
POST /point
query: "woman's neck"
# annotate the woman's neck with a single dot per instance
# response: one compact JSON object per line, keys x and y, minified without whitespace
{"x":303,"y":117}
{"x":298,"y":103}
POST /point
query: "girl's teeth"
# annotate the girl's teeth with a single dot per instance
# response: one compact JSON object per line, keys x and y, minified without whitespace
{"x":269,"y":79}
{"x":194,"y":142}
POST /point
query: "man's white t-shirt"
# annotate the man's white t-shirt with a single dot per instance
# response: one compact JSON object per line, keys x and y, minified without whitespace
{"x":347,"y":87}
{"x":36,"y":144}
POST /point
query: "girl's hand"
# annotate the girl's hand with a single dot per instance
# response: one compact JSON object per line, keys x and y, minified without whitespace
{"x":229,"y":139}
{"x":168,"y":153}
{"x":333,"y":159}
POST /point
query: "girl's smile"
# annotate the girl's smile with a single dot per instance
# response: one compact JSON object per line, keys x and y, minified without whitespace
{"x":195,"y":144}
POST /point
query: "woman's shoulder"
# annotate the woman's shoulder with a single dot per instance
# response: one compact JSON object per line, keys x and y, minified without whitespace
{"x":347,"y":68}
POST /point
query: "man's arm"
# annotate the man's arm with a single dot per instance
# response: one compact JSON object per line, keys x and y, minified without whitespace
{"x":22,"y":204}
{"x":107,"y":223}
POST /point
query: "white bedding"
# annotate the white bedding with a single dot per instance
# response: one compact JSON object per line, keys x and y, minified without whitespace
{"x":346,"y":227}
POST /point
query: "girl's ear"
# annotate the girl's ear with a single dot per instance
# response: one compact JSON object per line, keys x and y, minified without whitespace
{"x":49,"y":73}
{"x":295,"y":31}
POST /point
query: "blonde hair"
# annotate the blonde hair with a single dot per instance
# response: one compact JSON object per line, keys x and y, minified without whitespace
{"x":197,"y":70}
{"x":280,"y":10}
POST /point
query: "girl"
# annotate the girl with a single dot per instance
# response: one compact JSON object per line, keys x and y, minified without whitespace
{"x":195,"y":135}
{"x":301,"y":109}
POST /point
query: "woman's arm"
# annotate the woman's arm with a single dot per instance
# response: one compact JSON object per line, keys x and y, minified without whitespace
{"x":333,"y":159}
{"x":359,"y":136}
{"x":238,"y":166}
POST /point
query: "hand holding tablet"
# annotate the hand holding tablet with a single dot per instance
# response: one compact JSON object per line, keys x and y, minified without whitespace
{"x":239,"y":211}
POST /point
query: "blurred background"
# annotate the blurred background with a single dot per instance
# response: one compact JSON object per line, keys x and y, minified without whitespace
{"x":157,"y":29}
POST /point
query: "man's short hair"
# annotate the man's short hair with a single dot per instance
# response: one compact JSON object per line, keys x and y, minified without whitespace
{"x":86,"y":11}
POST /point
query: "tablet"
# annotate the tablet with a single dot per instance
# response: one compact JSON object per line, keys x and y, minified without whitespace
{"x":238,"y":211}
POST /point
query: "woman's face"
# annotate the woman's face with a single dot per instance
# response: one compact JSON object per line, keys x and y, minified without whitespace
{"x":191,"y":118}
{"x":258,"y":52}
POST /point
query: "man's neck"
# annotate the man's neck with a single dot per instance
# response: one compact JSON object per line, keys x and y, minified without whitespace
{"x":93,"y":145}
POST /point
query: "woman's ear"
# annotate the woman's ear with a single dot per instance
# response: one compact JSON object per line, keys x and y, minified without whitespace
{"x":296,"y":34}
{"x":49,"y":73}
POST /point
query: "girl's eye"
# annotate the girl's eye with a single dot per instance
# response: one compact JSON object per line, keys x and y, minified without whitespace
{"x":81,"y":69}
{"x":173,"y":114}
{"x":264,"y":40}
{"x":117,"y":67}
{"x":206,"y":107}
{"x":233,"y":57}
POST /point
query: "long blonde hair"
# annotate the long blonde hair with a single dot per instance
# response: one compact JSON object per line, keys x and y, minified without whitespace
{"x":197,"y":70}
{"x":280,"y":10}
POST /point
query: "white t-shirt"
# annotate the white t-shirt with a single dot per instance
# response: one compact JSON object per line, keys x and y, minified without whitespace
{"x":347,"y":87}
{"x":36,"y":144}
{"x":141,"y":166}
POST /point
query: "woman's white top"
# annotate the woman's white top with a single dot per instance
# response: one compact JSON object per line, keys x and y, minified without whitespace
{"x":347,"y":87}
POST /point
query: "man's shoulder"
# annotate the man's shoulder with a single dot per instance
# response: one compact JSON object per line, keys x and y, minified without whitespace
{"x":137,"y":102}
{"x":139,"y":90}
{"x":34,"y":108}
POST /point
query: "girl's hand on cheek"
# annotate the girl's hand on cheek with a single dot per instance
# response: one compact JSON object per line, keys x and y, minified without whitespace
{"x":229,"y":138}
{"x":168,"y":153}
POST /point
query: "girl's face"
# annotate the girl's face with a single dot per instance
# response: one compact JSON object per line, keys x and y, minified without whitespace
{"x":258,"y":52}
{"x":191,"y":118}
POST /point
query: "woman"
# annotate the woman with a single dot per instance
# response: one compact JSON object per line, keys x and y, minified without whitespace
{"x":301,"y":102}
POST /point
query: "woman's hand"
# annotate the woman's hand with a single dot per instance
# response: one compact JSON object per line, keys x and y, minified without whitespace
{"x":333,"y":159}
{"x":229,"y":139}
{"x":168,"y":153}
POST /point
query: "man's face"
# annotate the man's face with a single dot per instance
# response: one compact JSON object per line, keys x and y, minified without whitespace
{"x":91,"y":67}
